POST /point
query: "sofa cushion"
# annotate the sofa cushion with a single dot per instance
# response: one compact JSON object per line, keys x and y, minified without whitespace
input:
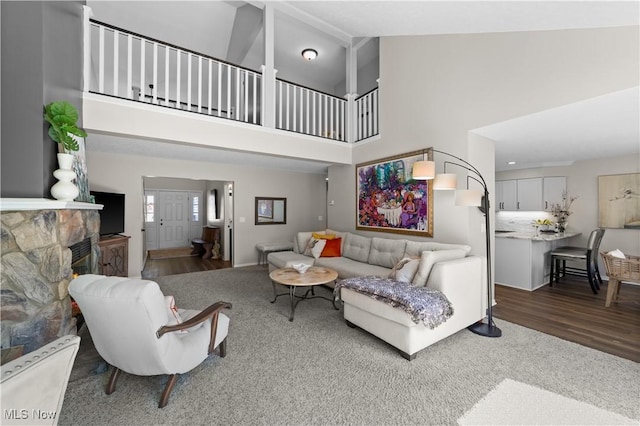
{"x":386,"y":252}
{"x":348,"y":268}
{"x":357,"y":248}
{"x":283,"y":259}
{"x":429,"y":258}
{"x":405,"y":270}
{"x":415,"y":248}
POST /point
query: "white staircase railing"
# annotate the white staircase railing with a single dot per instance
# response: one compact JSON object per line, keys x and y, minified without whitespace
{"x":303,"y":110}
{"x":367,"y":115}
{"x":126,"y":65}
{"x":131,"y":66}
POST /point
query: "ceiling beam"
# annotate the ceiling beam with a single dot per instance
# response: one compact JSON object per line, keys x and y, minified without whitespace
{"x":247,"y":25}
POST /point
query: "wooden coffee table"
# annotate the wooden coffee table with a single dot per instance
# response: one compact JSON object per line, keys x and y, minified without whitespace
{"x":291,"y":278}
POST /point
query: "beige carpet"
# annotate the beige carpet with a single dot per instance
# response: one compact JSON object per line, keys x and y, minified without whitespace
{"x":170,"y":253}
{"x":516,"y":403}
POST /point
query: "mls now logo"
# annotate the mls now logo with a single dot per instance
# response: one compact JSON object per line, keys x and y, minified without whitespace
{"x":16,"y":414}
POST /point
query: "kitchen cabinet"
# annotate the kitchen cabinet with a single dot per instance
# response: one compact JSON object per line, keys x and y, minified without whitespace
{"x":529,"y":194}
{"x":532,"y":194}
{"x":506,"y":195}
{"x":553,"y":188}
{"x":522,"y":259}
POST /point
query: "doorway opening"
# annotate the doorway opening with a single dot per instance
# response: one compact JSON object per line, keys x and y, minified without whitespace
{"x":178,"y":212}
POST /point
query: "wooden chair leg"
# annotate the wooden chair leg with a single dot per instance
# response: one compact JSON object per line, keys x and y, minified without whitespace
{"x":164,"y":399}
{"x":223,"y":348}
{"x":111,"y":384}
{"x":551,"y":271}
{"x":612,"y":291}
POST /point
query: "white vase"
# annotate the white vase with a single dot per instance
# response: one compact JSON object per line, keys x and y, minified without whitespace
{"x":65,"y":189}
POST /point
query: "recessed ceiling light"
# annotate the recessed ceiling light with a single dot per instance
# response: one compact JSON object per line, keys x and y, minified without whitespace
{"x":511,"y":163}
{"x":309,"y":54}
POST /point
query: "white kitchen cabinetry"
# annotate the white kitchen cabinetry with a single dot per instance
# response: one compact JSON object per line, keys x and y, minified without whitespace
{"x":553,"y":187}
{"x":506,"y":195}
{"x":529,"y":194}
{"x":523,"y":262}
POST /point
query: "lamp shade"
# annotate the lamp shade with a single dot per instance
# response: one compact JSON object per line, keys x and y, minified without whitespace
{"x":424,"y":170}
{"x":445,"y":181}
{"x":468,"y":197}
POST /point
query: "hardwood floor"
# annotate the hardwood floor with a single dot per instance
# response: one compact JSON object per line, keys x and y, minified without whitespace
{"x":181,"y":265}
{"x":570,"y":311}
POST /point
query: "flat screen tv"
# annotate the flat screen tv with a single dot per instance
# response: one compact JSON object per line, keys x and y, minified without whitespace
{"x":112,"y":214}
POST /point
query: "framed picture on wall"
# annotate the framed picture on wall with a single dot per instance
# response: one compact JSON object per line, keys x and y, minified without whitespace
{"x":390,"y":200}
{"x":619,"y":201}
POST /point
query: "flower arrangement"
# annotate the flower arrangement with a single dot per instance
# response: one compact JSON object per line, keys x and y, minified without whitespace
{"x":562,"y":210}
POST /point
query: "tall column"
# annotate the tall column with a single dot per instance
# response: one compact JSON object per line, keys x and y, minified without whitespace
{"x":268,"y":105}
{"x":351,"y":89}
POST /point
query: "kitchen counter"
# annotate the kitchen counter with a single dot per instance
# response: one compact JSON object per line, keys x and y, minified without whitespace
{"x":541,"y":236}
{"x":522,"y":259}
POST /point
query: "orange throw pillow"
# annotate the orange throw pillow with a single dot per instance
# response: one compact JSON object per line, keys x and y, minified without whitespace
{"x":332,"y":248}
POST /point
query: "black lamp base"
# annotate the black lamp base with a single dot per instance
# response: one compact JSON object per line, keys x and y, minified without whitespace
{"x":484,"y":329}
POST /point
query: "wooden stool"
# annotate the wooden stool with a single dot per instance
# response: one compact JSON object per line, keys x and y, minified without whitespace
{"x":198,"y":247}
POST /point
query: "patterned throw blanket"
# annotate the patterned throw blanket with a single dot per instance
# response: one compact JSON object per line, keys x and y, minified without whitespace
{"x":421,"y":303}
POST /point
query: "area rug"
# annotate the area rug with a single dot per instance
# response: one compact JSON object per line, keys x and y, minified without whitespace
{"x":170,"y":253}
{"x":316,"y":370}
{"x":515,"y":403}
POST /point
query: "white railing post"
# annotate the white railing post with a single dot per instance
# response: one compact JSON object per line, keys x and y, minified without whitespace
{"x":268,"y":87}
{"x":351,"y":117}
{"x":86,"y":36}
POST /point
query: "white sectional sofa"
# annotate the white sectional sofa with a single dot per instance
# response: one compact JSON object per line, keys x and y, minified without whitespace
{"x":444,"y":267}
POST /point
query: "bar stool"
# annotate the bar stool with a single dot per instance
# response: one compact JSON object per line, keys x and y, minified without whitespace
{"x":587,"y":254}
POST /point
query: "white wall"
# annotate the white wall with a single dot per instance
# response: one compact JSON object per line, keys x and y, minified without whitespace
{"x":305,"y":193}
{"x":434,"y":90}
{"x":582,"y":181}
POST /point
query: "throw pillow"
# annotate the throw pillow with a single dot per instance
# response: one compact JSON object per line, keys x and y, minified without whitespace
{"x":617,"y":253}
{"x":332,"y":248}
{"x":430,"y":258}
{"x":319,"y":236}
{"x":405,"y":270}
{"x":315,"y":247}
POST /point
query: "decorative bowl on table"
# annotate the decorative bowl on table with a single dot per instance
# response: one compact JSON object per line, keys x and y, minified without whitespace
{"x":301,"y":267}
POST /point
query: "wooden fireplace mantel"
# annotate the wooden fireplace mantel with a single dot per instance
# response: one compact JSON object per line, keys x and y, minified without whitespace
{"x":23,"y":204}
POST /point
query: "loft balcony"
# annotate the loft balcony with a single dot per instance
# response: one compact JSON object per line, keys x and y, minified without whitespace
{"x":123,"y":68}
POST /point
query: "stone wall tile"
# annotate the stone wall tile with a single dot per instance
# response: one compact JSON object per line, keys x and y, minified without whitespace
{"x":71,"y":228}
{"x":37,"y":231}
{"x":13,"y":306}
{"x":8,"y":242}
{"x":11,"y":219}
{"x":22,"y":274}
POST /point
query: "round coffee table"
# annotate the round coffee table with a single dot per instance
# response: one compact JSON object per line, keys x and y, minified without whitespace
{"x":291,"y":278}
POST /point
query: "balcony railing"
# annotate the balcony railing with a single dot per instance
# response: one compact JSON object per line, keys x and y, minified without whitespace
{"x":127,"y":65}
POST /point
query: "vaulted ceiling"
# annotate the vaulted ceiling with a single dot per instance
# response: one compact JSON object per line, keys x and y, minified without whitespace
{"x":232,"y":30}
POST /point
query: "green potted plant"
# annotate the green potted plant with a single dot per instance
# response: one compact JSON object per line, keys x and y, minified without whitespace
{"x":62,"y":118}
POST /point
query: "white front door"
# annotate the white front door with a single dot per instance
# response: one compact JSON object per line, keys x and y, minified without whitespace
{"x":173,"y":219}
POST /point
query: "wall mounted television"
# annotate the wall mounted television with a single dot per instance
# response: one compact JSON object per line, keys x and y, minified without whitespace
{"x":112,"y":214}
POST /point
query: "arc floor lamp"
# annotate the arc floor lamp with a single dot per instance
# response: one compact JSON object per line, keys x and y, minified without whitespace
{"x":425,"y":170}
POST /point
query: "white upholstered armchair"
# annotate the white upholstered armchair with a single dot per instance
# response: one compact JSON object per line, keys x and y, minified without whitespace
{"x":136,"y":330}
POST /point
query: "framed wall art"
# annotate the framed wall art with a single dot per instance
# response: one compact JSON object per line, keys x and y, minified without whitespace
{"x":619,"y":201}
{"x":389,"y":200}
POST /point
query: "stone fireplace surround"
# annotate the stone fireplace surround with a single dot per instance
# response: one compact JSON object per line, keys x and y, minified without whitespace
{"x":35,"y":307}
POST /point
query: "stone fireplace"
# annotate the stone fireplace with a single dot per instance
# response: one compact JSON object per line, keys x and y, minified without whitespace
{"x":37,"y":236}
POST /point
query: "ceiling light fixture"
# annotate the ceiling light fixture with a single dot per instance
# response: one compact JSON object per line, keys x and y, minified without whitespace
{"x":309,"y":54}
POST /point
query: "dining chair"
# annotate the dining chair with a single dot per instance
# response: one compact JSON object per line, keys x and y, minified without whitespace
{"x":588,"y":255}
